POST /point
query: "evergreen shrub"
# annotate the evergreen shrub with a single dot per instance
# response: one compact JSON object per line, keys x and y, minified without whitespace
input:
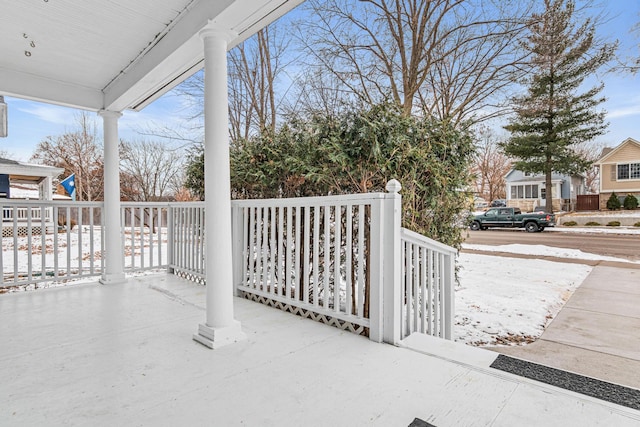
{"x":630,"y":202}
{"x":614,"y":202}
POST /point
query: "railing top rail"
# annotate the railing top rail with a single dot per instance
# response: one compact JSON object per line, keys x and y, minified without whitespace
{"x":419,"y":239}
{"x":47,"y":203}
{"x":154,"y":204}
{"x":311,"y":201}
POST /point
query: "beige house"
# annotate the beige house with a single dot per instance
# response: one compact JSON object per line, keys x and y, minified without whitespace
{"x":620,"y":171}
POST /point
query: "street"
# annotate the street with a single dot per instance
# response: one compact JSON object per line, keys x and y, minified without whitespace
{"x":626,"y":246}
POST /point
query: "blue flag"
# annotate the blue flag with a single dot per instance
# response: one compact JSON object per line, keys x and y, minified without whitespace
{"x":69,"y":184}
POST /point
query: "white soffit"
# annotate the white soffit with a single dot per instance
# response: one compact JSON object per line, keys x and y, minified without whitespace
{"x":117,"y":54}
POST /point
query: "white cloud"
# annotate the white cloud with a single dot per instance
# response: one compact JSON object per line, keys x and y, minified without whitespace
{"x":49,"y":113}
{"x":626,"y":111}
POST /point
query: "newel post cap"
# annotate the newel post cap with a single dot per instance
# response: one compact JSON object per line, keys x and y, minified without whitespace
{"x":393,"y":186}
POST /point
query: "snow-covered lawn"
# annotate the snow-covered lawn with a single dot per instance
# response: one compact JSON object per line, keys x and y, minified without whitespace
{"x":510,"y":300}
{"x":504,"y":300}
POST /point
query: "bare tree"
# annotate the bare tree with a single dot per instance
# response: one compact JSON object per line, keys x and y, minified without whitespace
{"x":254,"y":69}
{"x":78,"y":152}
{"x":490,"y":166}
{"x":150,"y":170}
{"x":591,"y":151}
{"x":451,"y":58}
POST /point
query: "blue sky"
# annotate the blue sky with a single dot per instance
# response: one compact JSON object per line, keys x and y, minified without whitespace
{"x":31,"y":122}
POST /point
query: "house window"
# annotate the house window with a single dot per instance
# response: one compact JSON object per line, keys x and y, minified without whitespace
{"x":629,"y":171}
{"x":543,"y":193}
{"x":524,"y":191}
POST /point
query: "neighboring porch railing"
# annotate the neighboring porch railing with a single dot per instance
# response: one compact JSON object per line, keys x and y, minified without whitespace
{"x":23,"y":214}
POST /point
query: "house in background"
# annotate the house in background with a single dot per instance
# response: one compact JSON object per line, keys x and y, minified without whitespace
{"x":23,"y":181}
{"x":527,"y":191}
{"x":620,"y":171}
{"x":20,"y":180}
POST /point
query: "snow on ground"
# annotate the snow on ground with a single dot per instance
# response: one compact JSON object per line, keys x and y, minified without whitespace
{"x":510,"y":300}
{"x":541,"y":250}
{"x":596,"y":230}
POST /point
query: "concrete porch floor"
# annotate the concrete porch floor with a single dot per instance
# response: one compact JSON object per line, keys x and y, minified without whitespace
{"x":123,"y":355}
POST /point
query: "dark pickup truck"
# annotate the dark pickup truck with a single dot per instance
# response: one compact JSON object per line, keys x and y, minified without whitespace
{"x":513,"y":218}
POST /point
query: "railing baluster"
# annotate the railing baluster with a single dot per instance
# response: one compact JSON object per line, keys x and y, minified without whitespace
{"x":361,"y":258}
{"x":279,"y":256}
{"x":273,"y":250}
{"x":423,"y":290}
{"x":29,"y":237}
{"x":337,"y":248}
{"x":79,"y":209}
{"x":265,"y":248}
{"x":297,"y":251}
{"x":15,"y":244}
{"x":307,"y":252}
{"x":252,"y":262}
{"x":259,"y":249}
{"x":91,"y":241}
{"x":316,"y":255}
{"x":326,"y":271}
{"x":287,"y":261}
{"x":43,"y":244}
{"x":348,"y":258}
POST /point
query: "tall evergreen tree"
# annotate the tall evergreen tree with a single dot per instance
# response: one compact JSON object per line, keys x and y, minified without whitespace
{"x":553,"y":116}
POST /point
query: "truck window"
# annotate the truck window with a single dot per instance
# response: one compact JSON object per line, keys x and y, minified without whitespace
{"x":517,"y":211}
{"x":505,"y":211}
{"x":491,"y":212}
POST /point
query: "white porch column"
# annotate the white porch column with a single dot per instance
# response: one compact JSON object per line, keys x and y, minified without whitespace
{"x":114,"y":269}
{"x":220,"y":328}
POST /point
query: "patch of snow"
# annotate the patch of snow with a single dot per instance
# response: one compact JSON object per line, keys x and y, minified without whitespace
{"x":596,"y":230}
{"x":510,"y":300}
{"x":542,"y":250}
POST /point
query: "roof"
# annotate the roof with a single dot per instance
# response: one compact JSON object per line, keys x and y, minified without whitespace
{"x":114,"y":55}
{"x":20,"y":171}
{"x":540,"y":177}
{"x":612,"y":151}
{"x":31,"y":191}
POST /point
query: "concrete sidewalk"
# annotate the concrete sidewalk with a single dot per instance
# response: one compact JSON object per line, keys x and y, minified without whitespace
{"x":597,"y":333}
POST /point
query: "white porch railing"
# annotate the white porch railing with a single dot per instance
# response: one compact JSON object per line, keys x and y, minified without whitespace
{"x":309,"y":255}
{"x":186,"y":240}
{"x":343,"y":260}
{"x":346,"y":261}
{"x":428,"y":270}
{"x":68,"y":243}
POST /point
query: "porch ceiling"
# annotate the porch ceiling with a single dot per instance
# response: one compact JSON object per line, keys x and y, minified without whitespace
{"x":114,"y":55}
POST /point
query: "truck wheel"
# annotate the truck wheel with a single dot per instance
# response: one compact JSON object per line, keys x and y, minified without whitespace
{"x":475,"y":225}
{"x":531,"y":227}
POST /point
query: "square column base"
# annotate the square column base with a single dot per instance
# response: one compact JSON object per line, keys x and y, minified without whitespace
{"x":219,"y":337}
{"x":112,"y":279}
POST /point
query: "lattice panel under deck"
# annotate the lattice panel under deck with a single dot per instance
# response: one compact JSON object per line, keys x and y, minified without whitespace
{"x":328,"y":320}
{"x":190,"y":276}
